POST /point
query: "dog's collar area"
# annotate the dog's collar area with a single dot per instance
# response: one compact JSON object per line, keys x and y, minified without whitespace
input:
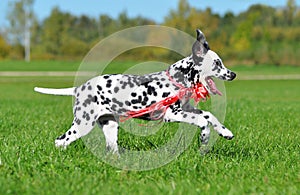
{"x":157,"y":110}
{"x":197,"y":91}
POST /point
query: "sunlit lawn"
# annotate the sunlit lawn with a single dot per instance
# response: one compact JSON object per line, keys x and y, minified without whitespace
{"x":262,"y":158}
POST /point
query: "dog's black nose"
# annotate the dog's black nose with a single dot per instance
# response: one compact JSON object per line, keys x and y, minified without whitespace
{"x":232,"y":75}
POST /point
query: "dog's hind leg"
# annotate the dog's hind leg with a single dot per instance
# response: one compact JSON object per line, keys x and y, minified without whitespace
{"x":85,"y":117}
{"x":110,"y":127}
{"x":78,"y":129}
{"x":205,"y":134}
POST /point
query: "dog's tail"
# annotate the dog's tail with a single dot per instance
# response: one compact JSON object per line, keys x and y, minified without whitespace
{"x":65,"y":91}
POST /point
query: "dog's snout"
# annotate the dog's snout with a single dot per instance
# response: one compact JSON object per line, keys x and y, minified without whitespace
{"x":232,"y":76}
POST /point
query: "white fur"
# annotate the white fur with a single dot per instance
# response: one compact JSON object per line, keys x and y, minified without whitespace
{"x":65,"y":91}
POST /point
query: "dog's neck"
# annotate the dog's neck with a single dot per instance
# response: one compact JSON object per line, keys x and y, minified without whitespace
{"x":183,"y":72}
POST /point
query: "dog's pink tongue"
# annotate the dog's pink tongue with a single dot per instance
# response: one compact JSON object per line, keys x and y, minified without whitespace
{"x":213,"y":87}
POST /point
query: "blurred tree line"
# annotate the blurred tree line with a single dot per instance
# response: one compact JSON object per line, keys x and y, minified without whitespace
{"x":260,"y":35}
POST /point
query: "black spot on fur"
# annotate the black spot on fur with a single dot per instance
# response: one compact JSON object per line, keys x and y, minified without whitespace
{"x":114,"y":107}
{"x":165,"y":94}
{"x":94,"y":99}
{"x":108,"y":85}
{"x":116,"y":89}
{"x":135,"y":101}
{"x":77,"y":121}
{"x":62,"y":137}
{"x":151,"y":91}
{"x":153,"y":102}
{"x":114,"y":100}
{"x":196,"y":111}
{"x":103,"y":122}
{"x":99,"y":87}
{"x":145,"y":84}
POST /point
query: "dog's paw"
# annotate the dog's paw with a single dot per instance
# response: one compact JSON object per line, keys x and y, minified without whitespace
{"x":113,"y":149}
{"x":204,"y":149}
{"x":61,"y":144}
{"x":227,"y":134}
{"x":229,"y":137}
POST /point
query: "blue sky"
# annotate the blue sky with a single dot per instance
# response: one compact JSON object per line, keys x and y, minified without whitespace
{"x":153,"y":9}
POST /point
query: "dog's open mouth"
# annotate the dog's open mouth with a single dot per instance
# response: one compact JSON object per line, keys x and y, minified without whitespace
{"x":212,"y":86}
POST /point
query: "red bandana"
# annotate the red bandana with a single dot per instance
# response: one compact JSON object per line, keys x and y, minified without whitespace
{"x":198,"y":92}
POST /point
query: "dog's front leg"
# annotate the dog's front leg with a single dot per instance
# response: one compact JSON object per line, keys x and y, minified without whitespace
{"x":199,"y":118}
{"x":205,"y":131}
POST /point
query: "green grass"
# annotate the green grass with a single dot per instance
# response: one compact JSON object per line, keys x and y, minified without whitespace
{"x":263,"y":158}
{"x":266,"y":70}
{"x":7,"y":65}
{"x":120,"y":66}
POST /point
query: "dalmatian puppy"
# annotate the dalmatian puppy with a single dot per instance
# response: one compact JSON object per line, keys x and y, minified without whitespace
{"x":107,"y":100}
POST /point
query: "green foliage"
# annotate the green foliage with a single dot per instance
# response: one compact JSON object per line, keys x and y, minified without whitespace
{"x":179,"y":18}
{"x":16,"y":16}
{"x":54,"y":29}
{"x":4,"y":48}
{"x":108,"y":25}
{"x":21,"y":17}
{"x":16,"y":52}
{"x":260,"y":35}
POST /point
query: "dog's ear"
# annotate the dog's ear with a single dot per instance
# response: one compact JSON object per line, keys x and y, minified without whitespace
{"x":200,"y":36}
{"x":200,"y":47}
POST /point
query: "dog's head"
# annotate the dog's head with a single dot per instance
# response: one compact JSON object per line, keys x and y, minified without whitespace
{"x":208,"y":65}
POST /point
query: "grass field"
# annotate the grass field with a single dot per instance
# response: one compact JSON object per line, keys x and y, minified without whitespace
{"x":263,"y":158}
{"x":117,"y":66}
